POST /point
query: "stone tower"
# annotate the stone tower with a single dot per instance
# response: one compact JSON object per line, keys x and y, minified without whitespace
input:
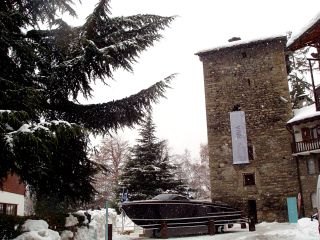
{"x":250,"y":77}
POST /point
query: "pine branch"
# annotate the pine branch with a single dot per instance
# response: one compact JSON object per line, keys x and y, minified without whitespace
{"x":100,"y":118}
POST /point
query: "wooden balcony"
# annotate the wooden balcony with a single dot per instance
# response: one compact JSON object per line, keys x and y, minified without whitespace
{"x":311,"y":145}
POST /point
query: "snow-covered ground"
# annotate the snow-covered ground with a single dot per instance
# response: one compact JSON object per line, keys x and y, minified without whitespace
{"x":303,"y":230}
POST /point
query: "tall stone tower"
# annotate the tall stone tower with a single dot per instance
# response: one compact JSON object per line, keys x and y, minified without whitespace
{"x":249,"y":80}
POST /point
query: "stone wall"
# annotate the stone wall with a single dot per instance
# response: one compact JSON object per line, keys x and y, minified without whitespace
{"x":252,"y":76}
{"x":309,"y":181}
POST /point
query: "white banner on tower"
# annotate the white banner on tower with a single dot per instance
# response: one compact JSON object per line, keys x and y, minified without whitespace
{"x":239,"y":137}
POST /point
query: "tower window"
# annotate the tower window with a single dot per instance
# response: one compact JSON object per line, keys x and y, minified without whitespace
{"x":248,"y":179}
{"x":251,"y":152}
{"x":313,"y":197}
{"x":306,"y":134}
{"x":311,"y":166}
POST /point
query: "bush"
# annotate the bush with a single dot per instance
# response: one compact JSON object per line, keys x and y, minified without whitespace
{"x":10,"y":226}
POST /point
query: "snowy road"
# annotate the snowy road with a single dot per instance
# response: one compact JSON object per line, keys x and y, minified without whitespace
{"x":304,"y":230}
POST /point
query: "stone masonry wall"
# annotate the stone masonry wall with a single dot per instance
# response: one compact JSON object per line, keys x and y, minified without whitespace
{"x":309,"y":182}
{"x":253,"y":76}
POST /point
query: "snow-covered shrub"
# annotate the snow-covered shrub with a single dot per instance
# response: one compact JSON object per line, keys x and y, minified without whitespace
{"x":37,"y":230}
{"x":89,"y":224}
{"x":34,"y":225}
{"x":45,"y":234}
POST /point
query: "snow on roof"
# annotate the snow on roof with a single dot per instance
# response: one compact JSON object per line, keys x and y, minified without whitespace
{"x":241,"y":42}
{"x":299,"y":33}
{"x":304,"y":113}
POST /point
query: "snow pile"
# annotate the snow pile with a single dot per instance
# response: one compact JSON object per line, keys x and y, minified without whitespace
{"x":37,"y":230}
{"x":66,"y":235}
{"x":46,"y":234}
{"x":128,"y":225}
{"x":34,"y":225}
{"x":95,"y":228}
{"x":71,"y":221}
{"x":307,"y":229}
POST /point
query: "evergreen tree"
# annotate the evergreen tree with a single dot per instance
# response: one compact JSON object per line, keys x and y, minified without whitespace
{"x":43,"y":129}
{"x":297,"y":67}
{"x":148,"y":172}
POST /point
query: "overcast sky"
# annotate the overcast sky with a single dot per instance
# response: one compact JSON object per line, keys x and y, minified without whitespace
{"x":201,"y":24}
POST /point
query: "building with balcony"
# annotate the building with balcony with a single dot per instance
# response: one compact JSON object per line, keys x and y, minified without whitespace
{"x":305,"y":129}
{"x":250,"y":124}
{"x":305,"y":125}
{"x":12,"y":196}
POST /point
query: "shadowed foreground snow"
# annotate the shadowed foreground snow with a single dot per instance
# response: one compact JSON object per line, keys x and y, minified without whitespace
{"x":303,"y":230}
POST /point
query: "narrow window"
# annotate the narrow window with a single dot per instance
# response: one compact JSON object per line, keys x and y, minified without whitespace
{"x":251,"y":152}
{"x":311,"y":166}
{"x":305,"y":134}
{"x":313,"y":197}
{"x":244,"y":55}
{"x":249,"y":179}
{"x":315,"y":132}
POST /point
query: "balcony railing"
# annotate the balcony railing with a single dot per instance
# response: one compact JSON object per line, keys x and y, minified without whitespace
{"x":304,"y":146}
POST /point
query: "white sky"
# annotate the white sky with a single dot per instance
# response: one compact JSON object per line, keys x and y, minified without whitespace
{"x":201,"y":24}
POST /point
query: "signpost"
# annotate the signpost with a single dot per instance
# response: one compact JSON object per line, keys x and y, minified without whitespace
{"x":106,"y":236}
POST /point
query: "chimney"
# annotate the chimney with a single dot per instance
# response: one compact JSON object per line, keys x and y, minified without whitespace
{"x":233,"y":39}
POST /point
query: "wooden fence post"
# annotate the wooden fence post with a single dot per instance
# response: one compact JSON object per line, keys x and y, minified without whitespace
{"x":164,"y":230}
{"x":109,"y":231}
{"x":252,"y":224}
{"x":211,"y":227}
